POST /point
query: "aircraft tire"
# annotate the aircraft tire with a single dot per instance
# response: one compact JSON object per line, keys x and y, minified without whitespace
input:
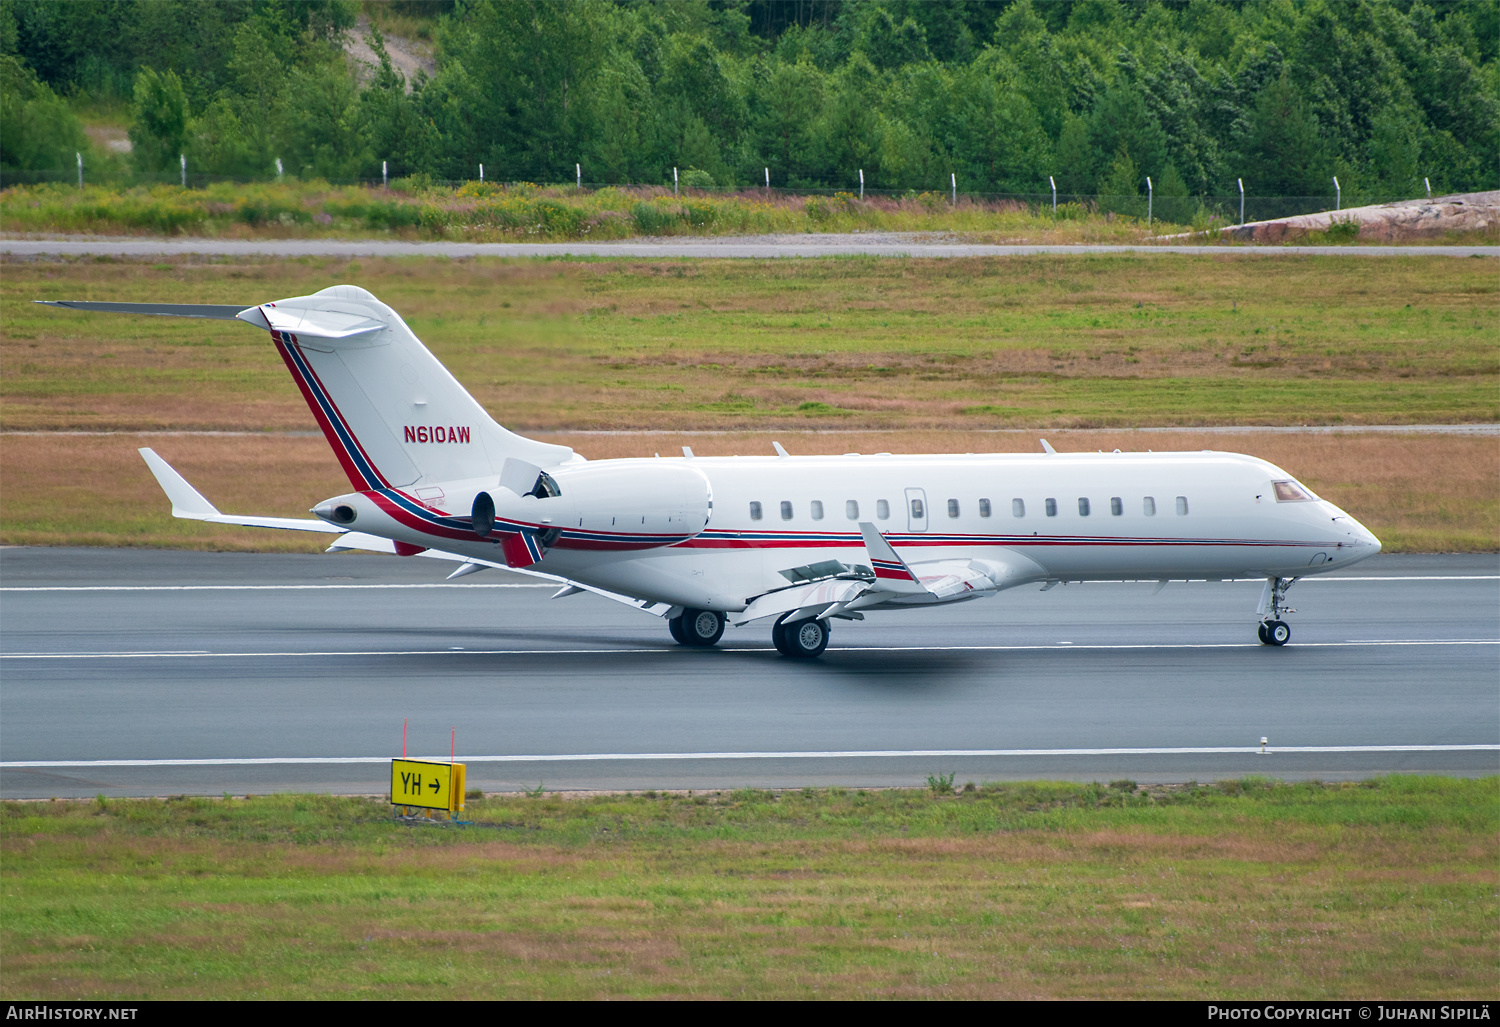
{"x":1260,"y":633}
{"x":778,"y":638}
{"x":701,"y":628}
{"x":674,"y":625}
{"x":1278,"y":632}
{"x":805,"y":639}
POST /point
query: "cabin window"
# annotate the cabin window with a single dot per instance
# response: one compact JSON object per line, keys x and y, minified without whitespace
{"x":952,"y":508}
{"x":1182,"y":506}
{"x":1083,"y":507}
{"x":1018,"y":508}
{"x":1291,"y":492}
{"x":882,"y":510}
{"x":851,"y":509}
{"x":1116,"y":505}
{"x":754,"y":511}
{"x":1051,"y":508}
{"x":918,"y":509}
{"x":1148,"y":506}
{"x":786,"y":510}
{"x":816,"y":506}
{"x":984,"y":508}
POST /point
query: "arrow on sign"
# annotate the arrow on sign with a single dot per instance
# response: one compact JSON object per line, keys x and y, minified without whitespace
{"x":436,"y":786}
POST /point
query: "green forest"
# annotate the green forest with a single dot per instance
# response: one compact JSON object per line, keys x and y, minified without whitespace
{"x":997,"y":94}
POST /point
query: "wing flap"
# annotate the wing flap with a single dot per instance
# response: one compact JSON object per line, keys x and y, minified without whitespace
{"x":820,"y":595}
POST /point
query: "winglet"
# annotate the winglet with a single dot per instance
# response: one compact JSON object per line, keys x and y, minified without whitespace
{"x":187,"y":501}
{"x":891,"y":572}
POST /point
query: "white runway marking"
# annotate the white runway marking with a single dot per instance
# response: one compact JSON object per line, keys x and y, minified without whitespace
{"x":1057,"y":646}
{"x":546,"y":584}
{"x":595,"y":757}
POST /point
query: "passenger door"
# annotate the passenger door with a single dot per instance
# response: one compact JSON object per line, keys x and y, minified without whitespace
{"x":916,"y":510}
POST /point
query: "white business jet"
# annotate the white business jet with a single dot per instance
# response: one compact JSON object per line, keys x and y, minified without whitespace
{"x":798,"y":541}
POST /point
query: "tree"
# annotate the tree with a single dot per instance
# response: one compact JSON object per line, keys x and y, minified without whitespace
{"x":782,"y":137}
{"x":159,"y":121}
{"x":1172,"y":201}
{"x":1120,"y":188}
{"x":1075,"y":160}
{"x":37,"y":130}
{"x":1120,"y":123}
{"x":1284,"y":154}
{"x":888,"y":43}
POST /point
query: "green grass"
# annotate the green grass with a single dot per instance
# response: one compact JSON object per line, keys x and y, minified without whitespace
{"x":995,"y":342}
{"x":1039,"y":889}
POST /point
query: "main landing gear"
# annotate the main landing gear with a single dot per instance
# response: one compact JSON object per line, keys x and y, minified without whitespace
{"x":801,"y":639}
{"x":697,"y":628}
{"x":1272,"y":630}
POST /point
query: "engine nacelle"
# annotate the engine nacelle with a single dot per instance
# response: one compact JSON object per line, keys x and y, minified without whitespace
{"x":621,"y":504}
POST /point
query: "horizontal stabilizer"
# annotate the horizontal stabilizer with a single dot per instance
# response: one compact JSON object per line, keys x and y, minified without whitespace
{"x":318,"y":324}
{"x":213,"y":311}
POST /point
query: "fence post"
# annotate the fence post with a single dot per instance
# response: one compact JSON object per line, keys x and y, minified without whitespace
{"x":182,"y":164}
{"x":953,"y":177}
{"x":481,"y":174}
{"x":278,"y":169}
{"x":1338,"y":195}
{"x":768,"y":181}
{"x":384,"y":181}
{"x":1241,"y":181}
{"x":1150,"y":197}
{"x":80,"y":168}
{"x":1428,"y":184}
{"x":861,"y":183}
{"x":578,"y":170}
{"x":674,"y":182}
{"x":1053,"y":184}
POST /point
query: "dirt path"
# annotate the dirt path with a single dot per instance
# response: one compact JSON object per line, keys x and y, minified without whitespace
{"x":408,"y":56}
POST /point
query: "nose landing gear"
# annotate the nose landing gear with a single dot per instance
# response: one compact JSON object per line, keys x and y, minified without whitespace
{"x":1272,"y":630}
{"x":697,"y":628}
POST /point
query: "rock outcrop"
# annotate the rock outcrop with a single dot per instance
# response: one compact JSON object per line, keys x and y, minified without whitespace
{"x":1386,"y":222}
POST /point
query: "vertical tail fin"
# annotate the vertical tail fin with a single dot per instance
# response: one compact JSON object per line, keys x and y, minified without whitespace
{"x":392,"y":413}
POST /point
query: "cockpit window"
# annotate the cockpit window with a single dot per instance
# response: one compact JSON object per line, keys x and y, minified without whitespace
{"x":1291,"y":492}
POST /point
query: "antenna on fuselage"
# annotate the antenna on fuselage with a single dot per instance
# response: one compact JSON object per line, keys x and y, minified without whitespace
{"x":1047,"y":447}
{"x":780,"y":449}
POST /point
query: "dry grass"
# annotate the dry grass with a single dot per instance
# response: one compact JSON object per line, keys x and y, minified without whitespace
{"x":1418,"y":493}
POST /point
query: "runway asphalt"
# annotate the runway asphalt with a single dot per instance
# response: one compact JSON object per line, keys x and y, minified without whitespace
{"x":751,"y":247}
{"x":281,"y":672}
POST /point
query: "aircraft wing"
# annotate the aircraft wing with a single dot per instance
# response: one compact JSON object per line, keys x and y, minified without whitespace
{"x":945,"y":579}
{"x":469,"y":564}
{"x":188,"y":503}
